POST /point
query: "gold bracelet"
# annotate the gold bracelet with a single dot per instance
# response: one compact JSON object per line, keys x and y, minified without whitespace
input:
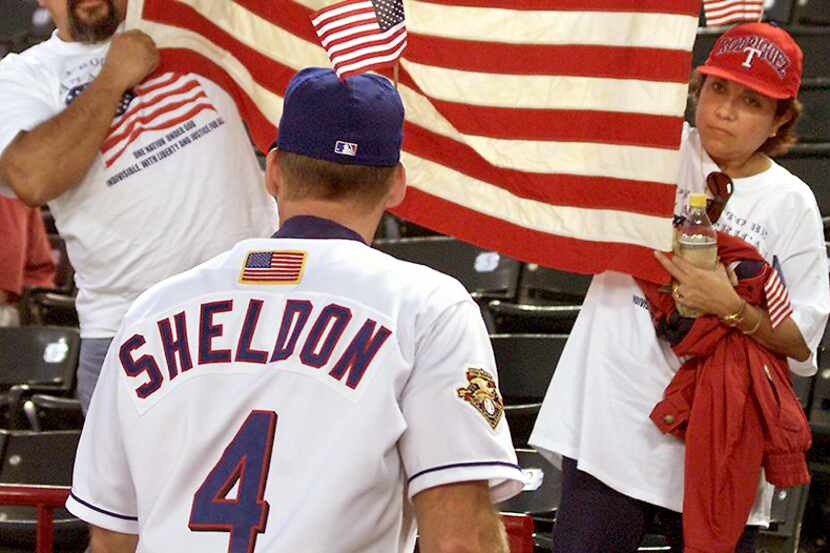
{"x":754,"y":328}
{"x":735,"y":318}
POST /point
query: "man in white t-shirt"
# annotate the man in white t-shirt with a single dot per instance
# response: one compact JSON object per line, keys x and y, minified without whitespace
{"x":145,"y":176}
{"x":304,"y":392}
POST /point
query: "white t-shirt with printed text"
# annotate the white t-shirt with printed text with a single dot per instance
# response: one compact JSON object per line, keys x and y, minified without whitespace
{"x":614,"y":369}
{"x":176,"y":181}
{"x":345,"y":448}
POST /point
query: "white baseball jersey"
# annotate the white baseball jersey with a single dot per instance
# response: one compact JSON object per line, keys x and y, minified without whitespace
{"x":291,"y":395}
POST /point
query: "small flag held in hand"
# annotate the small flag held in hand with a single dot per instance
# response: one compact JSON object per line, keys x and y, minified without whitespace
{"x":361,"y":35}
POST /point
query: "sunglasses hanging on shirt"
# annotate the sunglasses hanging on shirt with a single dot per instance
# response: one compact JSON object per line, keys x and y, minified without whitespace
{"x":720,"y":190}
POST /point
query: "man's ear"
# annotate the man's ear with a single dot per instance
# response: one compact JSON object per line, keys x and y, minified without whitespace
{"x":273,"y":173}
{"x":398,"y":189}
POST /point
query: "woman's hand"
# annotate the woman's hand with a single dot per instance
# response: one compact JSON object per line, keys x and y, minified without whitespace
{"x":709,"y":291}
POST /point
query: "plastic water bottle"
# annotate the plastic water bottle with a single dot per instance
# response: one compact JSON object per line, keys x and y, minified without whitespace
{"x":697,"y":243}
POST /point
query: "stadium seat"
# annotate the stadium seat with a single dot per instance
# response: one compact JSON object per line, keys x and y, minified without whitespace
{"x":540,"y":497}
{"x":39,"y":356}
{"x":41,"y":458}
{"x":485,"y":274}
{"x":32,"y":360}
{"x":812,"y":12}
{"x":779,"y":11}
{"x":814,"y":124}
{"x":548,"y":301}
{"x":811,"y":163}
{"x":820,"y":403}
{"x":17,"y":17}
{"x":53,"y":306}
{"x":525,"y":363}
{"x":543,"y":486}
{"x":786,"y":516}
{"x":47,"y":412}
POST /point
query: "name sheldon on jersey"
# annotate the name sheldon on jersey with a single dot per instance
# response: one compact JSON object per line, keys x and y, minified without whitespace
{"x":324,"y":337}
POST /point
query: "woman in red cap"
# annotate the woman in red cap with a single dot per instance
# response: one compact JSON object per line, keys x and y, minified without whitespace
{"x":620,"y":472}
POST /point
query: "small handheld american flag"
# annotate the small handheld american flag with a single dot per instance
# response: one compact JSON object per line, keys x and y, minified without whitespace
{"x":725,"y":12}
{"x":273,"y":267}
{"x":361,"y":35}
{"x":778,"y":300}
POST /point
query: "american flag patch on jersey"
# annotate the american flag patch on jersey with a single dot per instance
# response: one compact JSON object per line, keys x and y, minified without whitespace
{"x":273,"y":267}
{"x":778,"y":300}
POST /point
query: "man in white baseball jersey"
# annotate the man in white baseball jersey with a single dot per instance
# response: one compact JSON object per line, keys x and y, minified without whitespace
{"x":304,"y":392}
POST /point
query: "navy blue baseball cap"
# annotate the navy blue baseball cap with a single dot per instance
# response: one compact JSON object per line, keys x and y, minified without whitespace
{"x":355,"y":121}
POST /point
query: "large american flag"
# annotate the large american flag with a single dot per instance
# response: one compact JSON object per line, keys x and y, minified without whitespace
{"x":361,"y":35}
{"x":545,"y":129}
{"x":725,"y":12}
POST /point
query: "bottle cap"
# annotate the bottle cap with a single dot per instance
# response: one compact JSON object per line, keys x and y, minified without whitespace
{"x":697,"y":200}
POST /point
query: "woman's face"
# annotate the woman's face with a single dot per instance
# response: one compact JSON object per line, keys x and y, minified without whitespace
{"x":734,"y":121}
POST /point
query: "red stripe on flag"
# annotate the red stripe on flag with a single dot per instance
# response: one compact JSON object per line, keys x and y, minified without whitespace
{"x":557,"y":189}
{"x":633,"y":129}
{"x":567,"y":254}
{"x":612,"y":62}
{"x":363,"y":45}
{"x":680,"y":7}
{"x":347,"y":26}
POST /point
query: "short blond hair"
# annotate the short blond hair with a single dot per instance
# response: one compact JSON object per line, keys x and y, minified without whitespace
{"x":311,"y":178}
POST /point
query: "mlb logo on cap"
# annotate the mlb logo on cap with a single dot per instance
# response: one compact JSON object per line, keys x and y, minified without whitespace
{"x":345,"y":148}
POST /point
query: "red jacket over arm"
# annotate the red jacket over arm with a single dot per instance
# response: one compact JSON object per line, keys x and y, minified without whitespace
{"x":733,"y":404}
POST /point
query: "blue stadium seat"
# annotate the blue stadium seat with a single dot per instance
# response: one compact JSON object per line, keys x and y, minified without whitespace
{"x":814,"y":124}
{"x":812,"y":12}
{"x":811,"y":163}
{"x":40,"y":458}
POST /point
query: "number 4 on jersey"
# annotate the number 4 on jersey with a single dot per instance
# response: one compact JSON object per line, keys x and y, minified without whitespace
{"x":243,"y":465}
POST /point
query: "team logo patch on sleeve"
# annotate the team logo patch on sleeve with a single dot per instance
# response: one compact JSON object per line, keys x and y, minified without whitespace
{"x":273,"y":267}
{"x":482,"y":393}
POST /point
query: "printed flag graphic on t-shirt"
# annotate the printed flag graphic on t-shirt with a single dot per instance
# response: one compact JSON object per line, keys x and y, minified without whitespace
{"x":158,"y":104}
{"x":547,"y":130}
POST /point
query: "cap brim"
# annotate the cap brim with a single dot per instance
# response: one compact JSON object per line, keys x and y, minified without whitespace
{"x":742,"y":79}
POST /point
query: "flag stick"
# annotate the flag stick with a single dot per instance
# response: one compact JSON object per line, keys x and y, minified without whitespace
{"x":395,"y":74}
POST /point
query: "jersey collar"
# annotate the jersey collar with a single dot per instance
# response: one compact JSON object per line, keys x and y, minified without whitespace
{"x":308,"y":226}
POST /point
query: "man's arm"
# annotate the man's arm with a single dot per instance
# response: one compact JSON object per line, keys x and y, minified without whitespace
{"x":458,"y":518}
{"x":107,"y":541}
{"x":41,"y":164}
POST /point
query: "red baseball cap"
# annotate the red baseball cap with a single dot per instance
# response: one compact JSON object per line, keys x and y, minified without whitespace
{"x":759,"y":56}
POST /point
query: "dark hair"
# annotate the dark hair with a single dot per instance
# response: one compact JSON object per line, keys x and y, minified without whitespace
{"x":311,"y":178}
{"x":774,"y":145}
